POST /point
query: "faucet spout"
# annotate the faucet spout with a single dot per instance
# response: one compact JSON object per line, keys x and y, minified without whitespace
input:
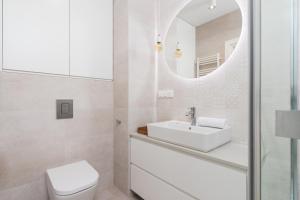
{"x":192,"y":114}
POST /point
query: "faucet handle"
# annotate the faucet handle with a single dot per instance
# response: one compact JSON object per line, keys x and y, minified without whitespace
{"x":192,"y":115}
{"x":191,"y":111}
{"x":188,"y":112}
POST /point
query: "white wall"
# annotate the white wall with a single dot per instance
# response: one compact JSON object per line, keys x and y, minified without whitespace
{"x":184,"y":33}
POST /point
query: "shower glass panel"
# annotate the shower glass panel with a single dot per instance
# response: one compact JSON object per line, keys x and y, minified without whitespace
{"x":279,"y":43}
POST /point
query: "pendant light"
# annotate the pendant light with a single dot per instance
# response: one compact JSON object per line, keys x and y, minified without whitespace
{"x":158,"y":43}
{"x":178,"y":52}
{"x":213,"y":5}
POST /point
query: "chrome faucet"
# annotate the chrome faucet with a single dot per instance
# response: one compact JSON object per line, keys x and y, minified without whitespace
{"x":192,"y":115}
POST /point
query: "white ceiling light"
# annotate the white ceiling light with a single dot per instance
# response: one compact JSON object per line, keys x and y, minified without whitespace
{"x":213,"y":5}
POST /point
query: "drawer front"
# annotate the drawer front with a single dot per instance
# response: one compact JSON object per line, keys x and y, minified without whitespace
{"x":152,"y":188}
{"x":202,"y":179}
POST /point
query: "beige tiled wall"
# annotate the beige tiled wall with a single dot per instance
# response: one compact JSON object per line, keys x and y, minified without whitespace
{"x":32,"y":140}
{"x":211,"y":37}
{"x":121,"y":62}
{"x":142,"y":63}
{"x":134,"y":78}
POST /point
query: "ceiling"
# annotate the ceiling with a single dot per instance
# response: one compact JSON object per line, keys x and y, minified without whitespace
{"x":197,"y":13}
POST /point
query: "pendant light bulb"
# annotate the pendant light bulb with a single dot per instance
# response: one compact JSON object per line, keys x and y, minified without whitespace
{"x":213,"y":5}
{"x":158,"y":44}
{"x":178,"y":52}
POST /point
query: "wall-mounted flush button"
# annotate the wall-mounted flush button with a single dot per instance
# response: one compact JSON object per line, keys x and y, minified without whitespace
{"x":64,"y":109}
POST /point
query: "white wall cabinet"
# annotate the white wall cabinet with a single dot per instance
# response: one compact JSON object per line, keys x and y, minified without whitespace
{"x":36,"y":36}
{"x":91,"y":38}
{"x":64,"y":37}
{"x":196,"y":177}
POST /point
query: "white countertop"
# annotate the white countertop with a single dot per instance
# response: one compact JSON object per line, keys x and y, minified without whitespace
{"x":232,"y":154}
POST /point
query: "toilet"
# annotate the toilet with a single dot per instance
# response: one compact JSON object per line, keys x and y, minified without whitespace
{"x":77,"y":181}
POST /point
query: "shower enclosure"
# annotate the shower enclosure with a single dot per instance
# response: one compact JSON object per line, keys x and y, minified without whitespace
{"x":275,"y":81}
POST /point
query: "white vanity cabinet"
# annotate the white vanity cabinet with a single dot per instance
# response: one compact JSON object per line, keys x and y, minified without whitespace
{"x":64,"y":37}
{"x":36,"y":36}
{"x":152,"y":188}
{"x":91,"y":38}
{"x":158,"y":172}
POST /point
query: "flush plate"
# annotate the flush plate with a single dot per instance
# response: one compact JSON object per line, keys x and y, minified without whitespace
{"x":64,"y":109}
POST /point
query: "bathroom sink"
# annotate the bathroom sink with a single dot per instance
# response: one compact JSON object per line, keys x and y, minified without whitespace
{"x":182,"y":133}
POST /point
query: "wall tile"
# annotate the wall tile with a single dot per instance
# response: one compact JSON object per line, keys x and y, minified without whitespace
{"x":32,"y":140}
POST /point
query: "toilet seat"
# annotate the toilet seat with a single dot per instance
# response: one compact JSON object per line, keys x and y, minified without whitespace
{"x":73,"y":178}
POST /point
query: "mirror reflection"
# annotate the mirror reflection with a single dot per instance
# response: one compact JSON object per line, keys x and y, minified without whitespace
{"x":202,"y":37}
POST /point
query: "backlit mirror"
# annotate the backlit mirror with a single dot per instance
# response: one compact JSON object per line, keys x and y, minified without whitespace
{"x":202,"y":37}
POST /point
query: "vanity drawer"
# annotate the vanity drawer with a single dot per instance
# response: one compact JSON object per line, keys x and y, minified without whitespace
{"x":151,"y":188}
{"x":197,"y":177}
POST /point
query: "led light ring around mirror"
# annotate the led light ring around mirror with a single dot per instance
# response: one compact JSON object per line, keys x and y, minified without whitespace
{"x":223,"y":64}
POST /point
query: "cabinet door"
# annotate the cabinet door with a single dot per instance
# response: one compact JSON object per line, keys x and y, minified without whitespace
{"x":36,"y":35}
{"x":91,"y":38}
{"x":152,"y":188}
{"x":202,"y":179}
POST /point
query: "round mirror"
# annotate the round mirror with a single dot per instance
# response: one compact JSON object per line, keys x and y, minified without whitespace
{"x":202,"y":37}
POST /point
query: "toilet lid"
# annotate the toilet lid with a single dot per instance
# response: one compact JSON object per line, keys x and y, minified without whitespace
{"x":72,"y":178}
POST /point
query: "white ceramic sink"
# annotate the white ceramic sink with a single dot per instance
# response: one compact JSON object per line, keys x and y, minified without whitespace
{"x":182,"y":133}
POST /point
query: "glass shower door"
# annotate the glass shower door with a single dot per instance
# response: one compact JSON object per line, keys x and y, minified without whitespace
{"x":279,"y":63}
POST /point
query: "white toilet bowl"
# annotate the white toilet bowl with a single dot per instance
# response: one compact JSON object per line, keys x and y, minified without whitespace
{"x":77,"y":181}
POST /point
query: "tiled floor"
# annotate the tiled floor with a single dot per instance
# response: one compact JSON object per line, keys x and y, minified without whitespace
{"x":113,"y":194}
